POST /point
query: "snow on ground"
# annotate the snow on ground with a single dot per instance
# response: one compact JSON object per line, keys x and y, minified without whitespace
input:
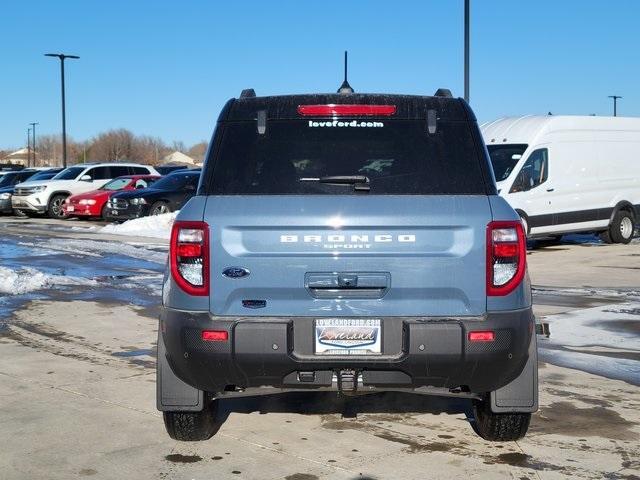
{"x":601,"y":340}
{"x":27,"y":279}
{"x":157,"y":226}
{"x":95,"y":248}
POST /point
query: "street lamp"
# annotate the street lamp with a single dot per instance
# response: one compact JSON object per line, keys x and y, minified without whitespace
{"x":62,"y":57}
{"x":615,"y":104}
{"x":466,"y":50}
{"x":33,"y":130}
{"x":28,"y":146}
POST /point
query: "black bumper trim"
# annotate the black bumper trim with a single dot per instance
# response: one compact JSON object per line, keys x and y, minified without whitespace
{"x":417,"y":351}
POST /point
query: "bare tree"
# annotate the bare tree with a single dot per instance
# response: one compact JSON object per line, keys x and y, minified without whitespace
{"x":178,"y":146}
{"x":114,"y":146}
{"x":197,"y":151}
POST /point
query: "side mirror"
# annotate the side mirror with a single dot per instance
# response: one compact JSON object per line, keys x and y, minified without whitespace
{"x":140,"y":186}
{"x":86,"y":178}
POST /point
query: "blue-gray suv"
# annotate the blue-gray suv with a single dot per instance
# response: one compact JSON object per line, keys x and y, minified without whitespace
{"x":352,"y":242}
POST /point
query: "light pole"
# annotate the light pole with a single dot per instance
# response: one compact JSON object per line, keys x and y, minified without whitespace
{"x":28,"y":146}
{"x":466,"y":50}
{"x":615,"y":104}
{"x":62,"y":57}
{"x":33,"y":131}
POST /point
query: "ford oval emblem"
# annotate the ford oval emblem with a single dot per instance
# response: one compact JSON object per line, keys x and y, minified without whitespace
{"x":235,"y":272}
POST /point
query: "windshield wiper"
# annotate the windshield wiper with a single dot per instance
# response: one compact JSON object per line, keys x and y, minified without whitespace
{"x":359,"y":182}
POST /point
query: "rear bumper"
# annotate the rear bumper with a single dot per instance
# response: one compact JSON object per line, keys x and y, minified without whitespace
{"x":417,"y":352}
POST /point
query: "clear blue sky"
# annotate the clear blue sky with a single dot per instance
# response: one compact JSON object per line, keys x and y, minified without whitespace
{"x":166,"y":68}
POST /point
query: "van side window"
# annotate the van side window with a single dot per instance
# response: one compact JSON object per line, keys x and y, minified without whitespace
{"x":534,"y":172}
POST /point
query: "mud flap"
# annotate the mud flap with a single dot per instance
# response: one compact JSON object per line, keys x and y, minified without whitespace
{"x":521,"y":395}
{"x":172,"y":394}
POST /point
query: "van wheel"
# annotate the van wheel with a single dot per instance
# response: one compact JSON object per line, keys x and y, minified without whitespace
{"x":622,"y":227}
{"x":193,"y":426}
{"x":55,"y":206}
{"x":605,"y":236}
{"x":499,"y":427}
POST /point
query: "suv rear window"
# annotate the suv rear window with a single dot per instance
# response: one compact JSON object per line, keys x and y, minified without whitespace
{"x":398,"y":156}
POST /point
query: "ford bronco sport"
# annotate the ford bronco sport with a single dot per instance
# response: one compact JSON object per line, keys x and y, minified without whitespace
{"x":353,"y":242}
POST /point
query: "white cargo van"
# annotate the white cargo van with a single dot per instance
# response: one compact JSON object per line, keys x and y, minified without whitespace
{"x":569,"y":173}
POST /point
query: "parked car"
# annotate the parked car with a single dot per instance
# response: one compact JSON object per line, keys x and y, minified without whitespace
{"x":567,"y":174}
{"x":164,"y":196}
{"x":353,"y":242}
{"x":8,"y":181}
{"x":48,"y":196}
{"x":94,"y":203}
{"x":167,"y":169}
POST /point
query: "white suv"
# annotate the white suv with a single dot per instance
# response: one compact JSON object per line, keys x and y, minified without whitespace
{"x":47,"y":196}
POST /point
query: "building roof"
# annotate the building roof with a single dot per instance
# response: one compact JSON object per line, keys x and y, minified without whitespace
{"x":178,"y":158}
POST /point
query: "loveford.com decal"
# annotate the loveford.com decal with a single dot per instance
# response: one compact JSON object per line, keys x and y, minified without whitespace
{"x":352,"y":123}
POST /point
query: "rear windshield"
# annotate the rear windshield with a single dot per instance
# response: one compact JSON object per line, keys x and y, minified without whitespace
{"x":504,"y":158}
{"x":398,"y":157}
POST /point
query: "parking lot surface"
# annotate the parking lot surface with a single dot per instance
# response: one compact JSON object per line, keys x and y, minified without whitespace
{"x":77,"y":379}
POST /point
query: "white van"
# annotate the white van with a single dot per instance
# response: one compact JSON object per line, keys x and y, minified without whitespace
{"x":569,"y":173}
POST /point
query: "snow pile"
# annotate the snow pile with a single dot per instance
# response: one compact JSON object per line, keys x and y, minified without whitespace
{"x":156,"y":226}
{"x":24,"y":280}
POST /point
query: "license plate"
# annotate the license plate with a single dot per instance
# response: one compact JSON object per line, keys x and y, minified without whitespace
{"x":71,"y":208}
{"x":348,"y":336}
{"x":114,"y":212}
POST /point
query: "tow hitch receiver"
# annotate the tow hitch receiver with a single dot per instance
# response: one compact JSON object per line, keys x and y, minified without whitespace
{"x":347,"y":381}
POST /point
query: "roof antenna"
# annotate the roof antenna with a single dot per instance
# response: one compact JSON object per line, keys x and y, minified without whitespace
{"x":345,"y":88}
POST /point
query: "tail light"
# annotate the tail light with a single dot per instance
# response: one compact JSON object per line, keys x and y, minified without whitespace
{"x":506,"y":257}
{"x":189,"y":257}
{"x":333,"y":110}
{"x":482,"y":336}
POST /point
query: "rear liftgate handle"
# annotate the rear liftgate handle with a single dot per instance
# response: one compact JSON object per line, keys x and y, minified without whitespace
{"x":364,"y":285}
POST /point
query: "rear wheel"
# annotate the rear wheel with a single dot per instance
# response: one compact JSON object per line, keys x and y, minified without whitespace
{"x":622,"y":227}
{"x":193,"y":426}
{"x":55,"y":206}
{"x":159,"y":208}
{"x":499,"y":427}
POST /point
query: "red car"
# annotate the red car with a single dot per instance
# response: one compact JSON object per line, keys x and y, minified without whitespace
{"x":91,"y":204}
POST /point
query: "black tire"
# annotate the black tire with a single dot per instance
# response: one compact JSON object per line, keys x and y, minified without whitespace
{"x":605,"y":236}
{"x":103,"y":212}
{"x":193,"y":426}
{"x":159,"y":208}
{"x":54,"y":209}
{"x":499,"y":427}
{"x":622,"y":227}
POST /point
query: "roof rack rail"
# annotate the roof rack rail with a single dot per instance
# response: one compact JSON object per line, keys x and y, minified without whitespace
{"x":443,"y":92}
{"x":248,"y":93}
